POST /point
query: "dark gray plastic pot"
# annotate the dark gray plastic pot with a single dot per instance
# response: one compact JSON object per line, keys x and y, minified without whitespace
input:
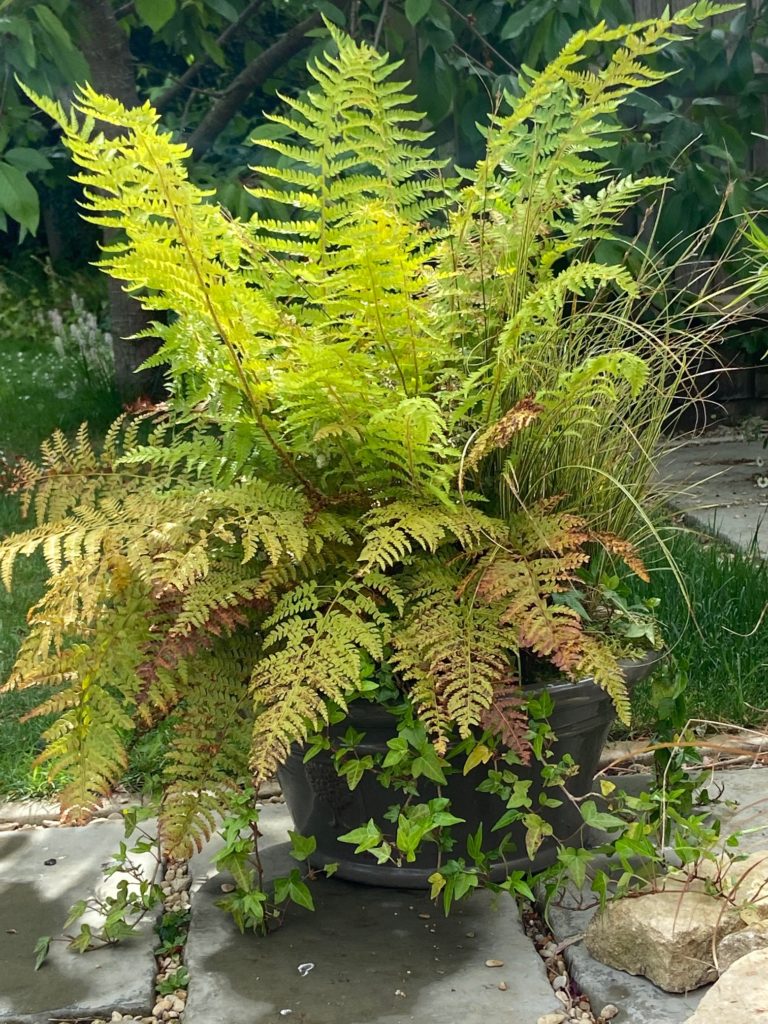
{"x":323,"y":806}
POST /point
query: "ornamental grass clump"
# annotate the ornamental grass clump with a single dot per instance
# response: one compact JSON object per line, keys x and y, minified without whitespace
{"x":406,"y":414}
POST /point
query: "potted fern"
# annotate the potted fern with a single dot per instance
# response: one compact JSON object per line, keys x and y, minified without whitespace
{"x":407,"y":441}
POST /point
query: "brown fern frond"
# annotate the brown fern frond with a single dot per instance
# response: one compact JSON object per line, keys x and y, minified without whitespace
{"x":499,"y":434}
{"x":624,"y":550}
{"x":507,"y":719}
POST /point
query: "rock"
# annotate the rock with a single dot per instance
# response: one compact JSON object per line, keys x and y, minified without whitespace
{"x":740,"y":996}
{"x":552,"y":1018}
{"x":747,"y":885}
{"x":608,"y":1012}
{"x":494,"y":963}
{"x":664,"y":936}
{"x":8,"y":826}
{"x":736,"y":945}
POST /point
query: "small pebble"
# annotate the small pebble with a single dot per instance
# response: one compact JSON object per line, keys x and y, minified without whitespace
{"x":609,"y":1012}
{"x":494,"y":963}
{"x":228,"y":887}
{"x":503,"y":986}
{"x":560,"y":982}
{"x":552,"y":1018}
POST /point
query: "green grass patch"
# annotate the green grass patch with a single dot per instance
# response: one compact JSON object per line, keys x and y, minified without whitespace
{"x":723,"y":638}
{"x":54,"y":377}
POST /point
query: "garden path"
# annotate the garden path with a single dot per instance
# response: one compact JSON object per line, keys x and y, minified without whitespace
{"x":720,"y":482}
{"x":385,"y":960}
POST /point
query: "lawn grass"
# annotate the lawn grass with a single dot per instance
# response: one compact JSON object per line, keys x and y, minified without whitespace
{"x":723,"y":639}
{"x":41,"y":390}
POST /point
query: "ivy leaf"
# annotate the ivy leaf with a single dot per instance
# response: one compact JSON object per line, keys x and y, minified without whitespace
{"x":42,"y":946}
{"x":82,"y":941}
{"x":155,"y":13}
{"x":415,"y":10}
{"x":300,"y":894}
{"x":480,"y":755}
{"x":302,"y":846}
{"x":536,"y":829}
{"x":366,"y":837}
{"x":600,"y":819}
{"x":436,"y":881}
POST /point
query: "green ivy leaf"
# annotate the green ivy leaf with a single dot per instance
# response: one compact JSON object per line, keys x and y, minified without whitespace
{"x":82,"y":941}
{"x":42,"y":946}
{"x":302,"y":847}
{"x":300,"y":894}
{"x":366,"y":837}
{"x":600,"y":819}
{"x":480,"y":755}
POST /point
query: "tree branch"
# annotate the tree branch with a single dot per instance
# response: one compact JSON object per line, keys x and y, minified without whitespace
{"x":249,"y":79}
{"x":165,"y":99}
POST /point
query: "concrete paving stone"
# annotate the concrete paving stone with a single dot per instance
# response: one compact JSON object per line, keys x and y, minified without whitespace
{"x":36,"y":812}
{"x":713,"y":483}
{"x":376,"y":961}
{"x":35,"y":899}
{"x":743,"y":805}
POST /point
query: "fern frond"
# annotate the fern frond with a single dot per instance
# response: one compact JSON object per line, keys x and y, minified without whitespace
{"x":597,"y":662}
{"x":454,"y":655}
{"x":208,"y":752}
{"x":312,"y":658}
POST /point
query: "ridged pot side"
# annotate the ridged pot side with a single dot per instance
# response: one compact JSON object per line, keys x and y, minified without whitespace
{"x":323,"y":806}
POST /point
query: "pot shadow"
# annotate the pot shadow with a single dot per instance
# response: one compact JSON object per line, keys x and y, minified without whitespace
{"x":380,"y":956}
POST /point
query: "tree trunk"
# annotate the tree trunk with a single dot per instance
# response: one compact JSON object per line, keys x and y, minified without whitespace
{"x":105,"y":47}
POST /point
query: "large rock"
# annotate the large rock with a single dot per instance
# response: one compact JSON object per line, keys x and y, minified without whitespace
{"x":746,"y":884}
{"x":666,"y":937}
{"x":740,"y":996}
{"x":738,"y":944}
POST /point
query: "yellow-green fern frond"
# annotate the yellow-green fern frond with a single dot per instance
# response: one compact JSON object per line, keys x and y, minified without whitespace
{"x":453,"y":655}
{"x":313,"y":651}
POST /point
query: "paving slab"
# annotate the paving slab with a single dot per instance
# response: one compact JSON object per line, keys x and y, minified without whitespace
{"x":713,"y":482}
{"x":35,"y":898}
{"x":376,"y":960}
{"x":743,"y":806}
